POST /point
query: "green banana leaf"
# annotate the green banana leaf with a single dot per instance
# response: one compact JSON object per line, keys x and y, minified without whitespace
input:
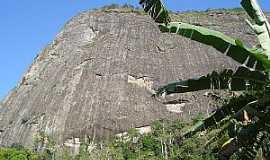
{"x":235,"y":105}
{"x":227,"y":79}
{"x":252,"y":10}
{"x":233,"y":110}
{"x":156,"y":10}
{"x":261,"y":26}
{"x":231,"y":47}
{"x":254,"y":108}
{"x":222,"y":114}
{"x":254,"y":136}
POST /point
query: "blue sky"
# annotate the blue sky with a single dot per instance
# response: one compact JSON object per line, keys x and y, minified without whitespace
{"x":27,"y":26}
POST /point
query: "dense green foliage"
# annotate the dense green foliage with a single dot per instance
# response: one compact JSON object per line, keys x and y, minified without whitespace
{"x":19,"y":153}
{"x":246,"y":118}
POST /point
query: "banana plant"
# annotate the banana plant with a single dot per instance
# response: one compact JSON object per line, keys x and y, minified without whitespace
{"x":253,"y":73}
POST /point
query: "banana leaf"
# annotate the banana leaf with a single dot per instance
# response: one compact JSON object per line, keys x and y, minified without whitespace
{"x":222,"y":114}
{"x":234,"y":48}
{"x":232,"y":107}
{"x":241,"y":79}
{"x":253,"y":10}
{"x":254,"y":108}
{"x":156,"y":10}
{"x":261,"y":27}
{"x":235,"y":107}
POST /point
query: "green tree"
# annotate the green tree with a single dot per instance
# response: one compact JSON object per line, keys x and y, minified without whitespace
{"x":246,"y":119}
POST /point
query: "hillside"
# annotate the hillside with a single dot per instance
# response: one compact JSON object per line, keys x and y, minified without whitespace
{"x":97,"y":77}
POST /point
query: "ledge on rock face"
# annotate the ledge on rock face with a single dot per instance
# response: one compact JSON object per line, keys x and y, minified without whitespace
{"x":143,"y":82}
{"x":85,"y":83}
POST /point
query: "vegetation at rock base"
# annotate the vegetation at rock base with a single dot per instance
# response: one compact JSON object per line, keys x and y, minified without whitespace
{"x":164,"y":142}
{"x":19,"y":153}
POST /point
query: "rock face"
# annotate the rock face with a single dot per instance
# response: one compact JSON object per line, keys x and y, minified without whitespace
{"x":97,"y":77}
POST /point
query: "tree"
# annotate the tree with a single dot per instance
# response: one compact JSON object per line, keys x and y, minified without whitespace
{"x":246,"y":118}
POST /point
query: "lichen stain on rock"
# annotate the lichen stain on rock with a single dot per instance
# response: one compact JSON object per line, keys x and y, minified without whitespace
{"x":74,"y":145}
{"x":143,"y":82}
{"x":176,"y":108}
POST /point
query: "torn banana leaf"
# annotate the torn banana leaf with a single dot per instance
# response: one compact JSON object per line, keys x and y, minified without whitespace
{"x":261,"y":26}
{"x":156,"y":10}
{"x":231,"y":47}
{"x":222,"y":114}
{"x":235,"y":107}
{"x":243,"y":78}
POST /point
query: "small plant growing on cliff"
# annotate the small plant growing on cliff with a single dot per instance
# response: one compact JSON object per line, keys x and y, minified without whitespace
{"x":246,"y":118}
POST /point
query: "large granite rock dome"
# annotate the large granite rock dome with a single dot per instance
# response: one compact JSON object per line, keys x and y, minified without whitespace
{"x":97,"y":77}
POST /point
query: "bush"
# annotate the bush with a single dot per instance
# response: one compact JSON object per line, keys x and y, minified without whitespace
{"x":21,"y":154}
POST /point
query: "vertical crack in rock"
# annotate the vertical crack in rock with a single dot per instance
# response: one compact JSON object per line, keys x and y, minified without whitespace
{"x":62,"y":114}
{"x":68,"y":102}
